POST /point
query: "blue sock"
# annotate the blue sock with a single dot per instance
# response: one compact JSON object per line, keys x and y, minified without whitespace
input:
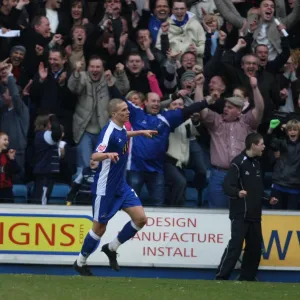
{"x":128,"y":231}
{"x":90,"y":244}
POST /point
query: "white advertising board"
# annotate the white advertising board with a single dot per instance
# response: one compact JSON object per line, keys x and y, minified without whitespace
{"x":184,"y":238}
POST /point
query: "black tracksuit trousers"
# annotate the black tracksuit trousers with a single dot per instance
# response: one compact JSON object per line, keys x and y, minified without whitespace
{"x":241,"y":230}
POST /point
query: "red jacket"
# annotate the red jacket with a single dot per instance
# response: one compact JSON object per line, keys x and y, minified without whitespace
{"x":8,"y":168}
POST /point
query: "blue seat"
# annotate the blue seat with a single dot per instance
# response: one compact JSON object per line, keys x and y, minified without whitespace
{"x":205,"y":198}
{"x":189,"y":175}
{"x":59,"y":194}
{"x":145,"y":196}
{"x":20,"y":193}
{"x":191,"y":197}
{"x":30,"y":186}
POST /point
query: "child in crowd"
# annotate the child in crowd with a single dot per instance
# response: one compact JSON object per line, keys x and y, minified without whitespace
{"x":48,"y":151}
{"x":212,"y":26}
{"x":8,"y":167}
{"x":286,"y":174}
{"x":80,"y":192}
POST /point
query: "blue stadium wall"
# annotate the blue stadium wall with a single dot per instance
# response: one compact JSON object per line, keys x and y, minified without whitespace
{"x":171,"y":273}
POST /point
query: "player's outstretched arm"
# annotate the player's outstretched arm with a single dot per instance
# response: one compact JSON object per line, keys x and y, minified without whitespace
{"x":100,"y":156}
{"x":146,"y":133}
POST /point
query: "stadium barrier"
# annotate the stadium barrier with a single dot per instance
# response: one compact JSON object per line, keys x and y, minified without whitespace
{"x":172,"y":238}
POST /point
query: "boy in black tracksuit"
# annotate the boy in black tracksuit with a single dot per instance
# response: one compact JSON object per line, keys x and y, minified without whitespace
{"x":244,"y":185}
{"x":80,"y":192}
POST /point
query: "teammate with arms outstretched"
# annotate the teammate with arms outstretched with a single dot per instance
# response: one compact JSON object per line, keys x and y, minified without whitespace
{"x":110,"y":190}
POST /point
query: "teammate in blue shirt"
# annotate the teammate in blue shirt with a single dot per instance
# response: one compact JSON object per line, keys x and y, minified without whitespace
{"x":110,"y":190}
{"x":146,"y":156}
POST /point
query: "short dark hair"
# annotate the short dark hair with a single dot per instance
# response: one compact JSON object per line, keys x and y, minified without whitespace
{"x":143,"y":29}
{"x":179,"y":1}
{"x":249,"y":55}
{"x":222,"y":78}
{"x":154,"y":3}
{"x":266,"y":0}
{"x":106,"y":37}
{"x":76,"y":2}
{"x":260,"y":45}
{"x":252,"y":138}
{"x":134,"y":53}
{"x":77,"y":27}
{"x":94,"y":57}
{"x":37,"y":20}
{"x":186,"y":53}
{"x":60,"y":50}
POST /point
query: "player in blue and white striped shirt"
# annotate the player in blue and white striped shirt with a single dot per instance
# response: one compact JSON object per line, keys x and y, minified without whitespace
{"x":110,"y":190}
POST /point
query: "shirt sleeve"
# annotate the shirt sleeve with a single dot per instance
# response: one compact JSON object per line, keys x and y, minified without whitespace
{"x":211,"y":119}
{"x":135,"y":112}
{"x":249,"y":119}
{"x":174,"y":117}
{"x":104,"y":141}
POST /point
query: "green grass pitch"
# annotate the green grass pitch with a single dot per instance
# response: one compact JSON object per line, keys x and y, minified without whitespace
{"x":40,"y":287}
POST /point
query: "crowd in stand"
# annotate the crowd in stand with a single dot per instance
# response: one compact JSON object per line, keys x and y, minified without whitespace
{"x":62,"y":61}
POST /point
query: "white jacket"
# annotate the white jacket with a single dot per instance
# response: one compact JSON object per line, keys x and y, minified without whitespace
{"x":179,"y":143}
{"x":181,"y":38}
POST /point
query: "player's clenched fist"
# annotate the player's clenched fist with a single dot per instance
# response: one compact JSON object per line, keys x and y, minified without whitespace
{"x":113,"y":156}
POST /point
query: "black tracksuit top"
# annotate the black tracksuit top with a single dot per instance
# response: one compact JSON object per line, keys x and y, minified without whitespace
{"x":244,"y":174}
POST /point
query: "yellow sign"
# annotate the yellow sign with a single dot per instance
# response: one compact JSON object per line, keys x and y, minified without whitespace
{"x":44,"y":234}
{"x":281,"y":241}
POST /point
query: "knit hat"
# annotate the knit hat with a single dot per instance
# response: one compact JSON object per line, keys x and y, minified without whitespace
{"x":236,"y":101}
{"x":18,"y":48}
{"x":187,"y":76}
